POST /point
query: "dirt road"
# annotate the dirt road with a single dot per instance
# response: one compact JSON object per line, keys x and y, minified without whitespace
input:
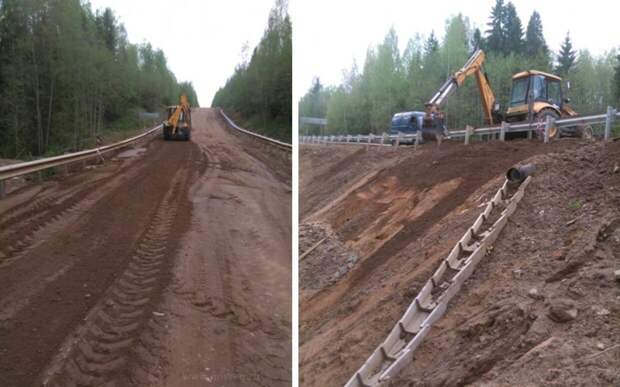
{"x":168,"y":267}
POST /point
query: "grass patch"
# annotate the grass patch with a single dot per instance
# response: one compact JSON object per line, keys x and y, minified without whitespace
{"x":575,"y":205}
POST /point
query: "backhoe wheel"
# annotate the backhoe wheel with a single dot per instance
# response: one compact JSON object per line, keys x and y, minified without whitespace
{"x":541,"y":122}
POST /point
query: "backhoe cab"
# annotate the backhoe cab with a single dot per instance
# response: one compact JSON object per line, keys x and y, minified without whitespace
{"x":536,"y":95}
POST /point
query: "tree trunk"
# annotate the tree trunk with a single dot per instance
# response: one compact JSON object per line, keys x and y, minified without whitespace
{"x":49,"y":113}
{"x":37,"y":99}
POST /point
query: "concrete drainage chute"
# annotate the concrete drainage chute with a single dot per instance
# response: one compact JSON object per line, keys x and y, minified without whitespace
{"x":397,"y":349}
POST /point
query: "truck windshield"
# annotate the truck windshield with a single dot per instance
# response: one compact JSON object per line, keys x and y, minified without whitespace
{"x":519,"y":91}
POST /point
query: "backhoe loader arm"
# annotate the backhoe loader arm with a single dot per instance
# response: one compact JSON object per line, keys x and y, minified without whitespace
{"x":174,"y":118}
{"x":472,"y":67}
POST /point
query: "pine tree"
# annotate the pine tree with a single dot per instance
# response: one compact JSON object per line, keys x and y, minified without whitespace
{"x":566,"y":57}
{"x":513,"y":30}
{"x":496,"y":34}
{"x":432,"y":44}
{"x":617,"y":80}
{"x":477,"y":40}
{"x":534,"y":39}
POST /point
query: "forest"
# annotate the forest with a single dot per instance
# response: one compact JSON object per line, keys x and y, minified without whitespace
{"x":68,"y":74}
{"x":259,"y":93}
{"x":393,"y":81}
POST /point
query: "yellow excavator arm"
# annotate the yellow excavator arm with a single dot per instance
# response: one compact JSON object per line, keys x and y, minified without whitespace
{"x":473,"y":66}
{"x":184,"y":107}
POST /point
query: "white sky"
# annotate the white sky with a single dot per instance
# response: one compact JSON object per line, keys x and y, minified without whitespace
{"x":202,"y":39}
{"x":329,"y":34}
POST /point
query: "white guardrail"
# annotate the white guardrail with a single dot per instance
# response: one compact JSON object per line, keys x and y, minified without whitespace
{"x":279,"y":144}
{"x":432,"y":301}
{"x":25,"y":168}
{"x":395,"y":139}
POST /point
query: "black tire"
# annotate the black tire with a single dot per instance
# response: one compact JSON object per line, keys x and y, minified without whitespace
{"x":166,"y":131}
{"x":541,"y":121}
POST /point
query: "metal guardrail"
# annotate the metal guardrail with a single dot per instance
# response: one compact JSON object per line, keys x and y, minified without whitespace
{"x":431,"y":303}
{"x":389,"y":139}
{"x":25,"y":168}
{"x":280,"y":144}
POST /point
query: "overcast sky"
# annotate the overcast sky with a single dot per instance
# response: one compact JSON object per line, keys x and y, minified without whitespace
{"x":202,"y":39}
{"x":329,"y":34}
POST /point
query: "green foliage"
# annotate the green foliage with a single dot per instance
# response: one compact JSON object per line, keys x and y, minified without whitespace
{"x":535,"y":44}
{"x":566,"y":57}
{"x":314,"y":103}
{"x":68,"y":74}
{"x":575,"y":205}
{"x":616,"y":84}
{"x":496,"y":34}
{"x":513,"y":30}
{"x":591,"y":89}
{"x":260,"y":91}
{"x":390,"y":82}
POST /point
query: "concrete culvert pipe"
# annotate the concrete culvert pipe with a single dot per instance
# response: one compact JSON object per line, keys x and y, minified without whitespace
{"x":518,"y":174}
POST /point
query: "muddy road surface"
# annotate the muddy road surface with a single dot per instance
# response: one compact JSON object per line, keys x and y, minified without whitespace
{"x":164,"y":267}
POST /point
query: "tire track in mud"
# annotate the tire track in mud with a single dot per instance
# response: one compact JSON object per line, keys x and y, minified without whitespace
{"x":41,"y":214}
{"x":76,"y":261}
{"x":19,"y":232}
{"x":100,"y":352}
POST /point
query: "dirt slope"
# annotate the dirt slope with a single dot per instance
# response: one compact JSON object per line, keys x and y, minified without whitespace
{"x":398,"y":224}
{"x":159,"y":269}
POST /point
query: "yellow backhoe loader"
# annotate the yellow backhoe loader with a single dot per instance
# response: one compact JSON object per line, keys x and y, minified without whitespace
{"x":534,"y":96}
{"x":178,"y":125}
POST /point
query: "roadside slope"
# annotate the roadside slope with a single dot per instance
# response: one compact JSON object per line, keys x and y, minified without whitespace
{"x":384,"y":237}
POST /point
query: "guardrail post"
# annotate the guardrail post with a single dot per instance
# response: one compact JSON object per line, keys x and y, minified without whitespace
{"x":397,"y":139}
{"x":370,"y":138}
{"x":502,"y":131}
{"x":359,"y":138}
{"x":529,"y":133}
{"x":382,"y":138}
{"x":608,"y":122}
{"x":550,"y":122}
{"x":468,"y":131}
{"x":2,"y":189}
{"x":417,"y":140}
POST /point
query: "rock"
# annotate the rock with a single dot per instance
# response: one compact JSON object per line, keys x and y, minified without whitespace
{"x":600,"y":346}
{"x":600,"y":255}
{"x":562,"y":310}
{"x":535,"y":294}
{"x":617,"y":275}
{"x":600,"y":311}
{"x":616,"y":168}
{"x":558,"y":255}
